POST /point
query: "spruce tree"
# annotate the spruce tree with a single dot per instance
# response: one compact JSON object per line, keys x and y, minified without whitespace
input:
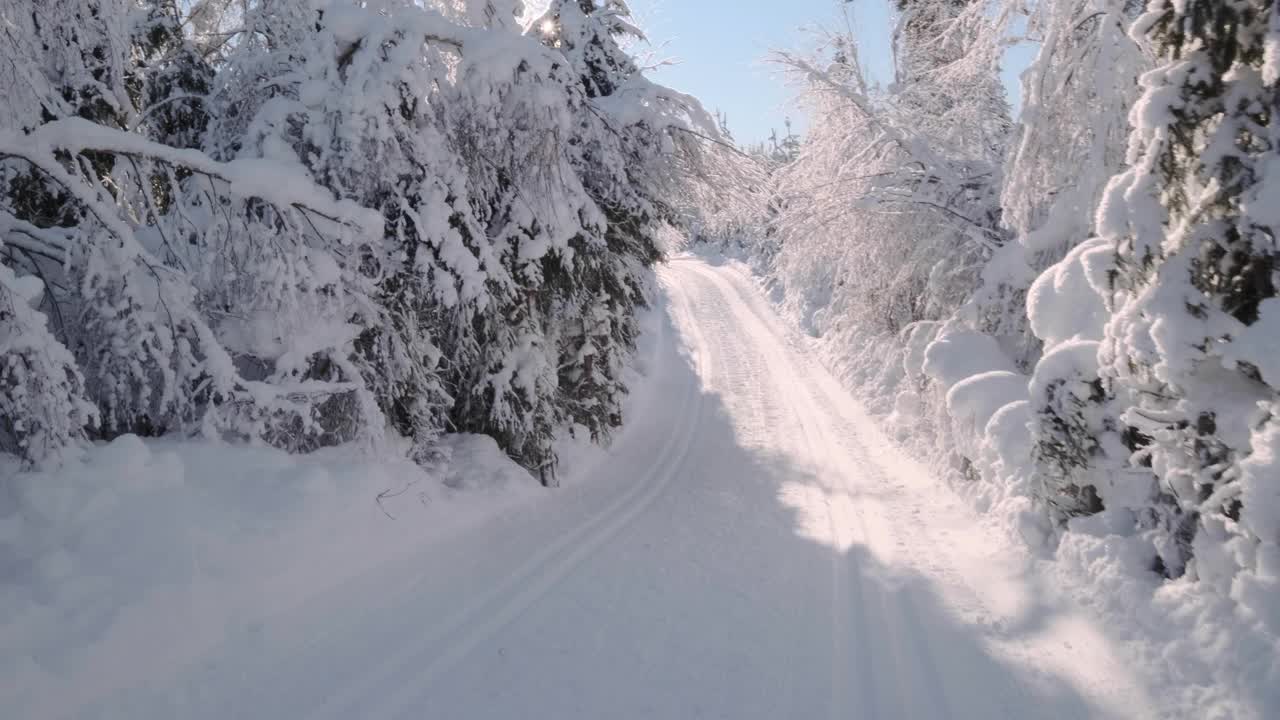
{"x":617,"y":157}
{"x":1194,"y":230}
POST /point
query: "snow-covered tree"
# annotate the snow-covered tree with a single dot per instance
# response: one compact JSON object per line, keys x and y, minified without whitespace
{"x":913,"y":172}
{"x":1194,"y":230}
{"x":614,"y":156}
{"x":307,"y":221}
{"x":42,"y":398}
{"x":1069,"y":140}
{"x":626,"y":143}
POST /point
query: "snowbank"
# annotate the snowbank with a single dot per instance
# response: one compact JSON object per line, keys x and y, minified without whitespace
{"x":152,"y":551}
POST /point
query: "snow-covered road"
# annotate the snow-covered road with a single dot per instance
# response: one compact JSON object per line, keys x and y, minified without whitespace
{"x":752,"y":547}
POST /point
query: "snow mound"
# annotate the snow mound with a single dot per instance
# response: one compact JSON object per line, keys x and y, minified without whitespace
{"x":977,"y":398}
{"x":1064,"y":302}
{"x":960,"y":353}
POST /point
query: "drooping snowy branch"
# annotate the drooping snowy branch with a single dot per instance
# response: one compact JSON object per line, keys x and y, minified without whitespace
{"x":305,"y":222}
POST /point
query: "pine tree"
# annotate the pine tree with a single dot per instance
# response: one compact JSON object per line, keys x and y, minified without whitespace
{"x":589,"y":35}
{"x":105,"y":176}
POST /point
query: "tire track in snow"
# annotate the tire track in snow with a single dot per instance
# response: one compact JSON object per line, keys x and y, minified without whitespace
{"x":411,"y":671}
{"x":920,"y":684}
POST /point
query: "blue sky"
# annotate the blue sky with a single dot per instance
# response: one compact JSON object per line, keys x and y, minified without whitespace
{"x":720,"y":46}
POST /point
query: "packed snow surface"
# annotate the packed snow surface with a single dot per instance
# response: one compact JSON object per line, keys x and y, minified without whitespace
{"x":751,"y":546}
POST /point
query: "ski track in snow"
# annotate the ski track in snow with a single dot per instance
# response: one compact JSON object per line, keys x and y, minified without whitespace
{"x":522,"y":588}
{"x":752,"y":547}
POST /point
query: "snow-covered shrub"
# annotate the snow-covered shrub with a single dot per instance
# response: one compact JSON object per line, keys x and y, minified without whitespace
{"x":151,"y":355}
{"x":1070,"y":426}
{"x":343,"y":93}
{"x":42,"y":405}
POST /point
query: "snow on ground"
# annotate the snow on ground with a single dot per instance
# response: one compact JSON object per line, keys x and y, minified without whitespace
{"x":147,"y":554}
{"x":1206,"y":654}
{"x":752,"y":546}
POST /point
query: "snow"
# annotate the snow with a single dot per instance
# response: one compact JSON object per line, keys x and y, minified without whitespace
{"x":1076,"y":358}
{"x":752,"y":545}
{"x":144,"y":556}
{"x":1259,"y":343}
{"x":978,"y":397}
{"x":959,"y":354}
{"x":1066,"y":301}
{"x":1262,"y":493}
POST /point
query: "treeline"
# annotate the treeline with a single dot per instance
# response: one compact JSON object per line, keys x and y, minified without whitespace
{"x":312,"y":222}
{"x":1078,"y":305}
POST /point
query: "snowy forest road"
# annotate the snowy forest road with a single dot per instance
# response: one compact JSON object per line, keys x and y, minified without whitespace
{"x":752,"y":547}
